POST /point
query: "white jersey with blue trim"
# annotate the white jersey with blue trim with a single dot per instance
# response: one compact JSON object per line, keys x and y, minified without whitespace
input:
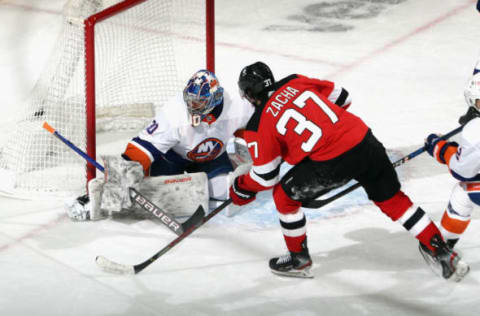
{"x":466,"y":162}
{"x":172,"y":129}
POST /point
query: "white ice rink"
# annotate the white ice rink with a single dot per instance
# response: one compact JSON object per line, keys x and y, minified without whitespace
{"x":405,"y":63}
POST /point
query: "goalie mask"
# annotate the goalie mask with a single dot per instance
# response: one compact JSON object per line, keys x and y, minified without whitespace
{"x":201,"y":95}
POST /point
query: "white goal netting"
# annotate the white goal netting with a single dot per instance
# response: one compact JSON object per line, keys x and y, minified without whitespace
{"x":143,"y":56}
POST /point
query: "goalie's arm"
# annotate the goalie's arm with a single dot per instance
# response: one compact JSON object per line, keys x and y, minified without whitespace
{"x":151,"y":143}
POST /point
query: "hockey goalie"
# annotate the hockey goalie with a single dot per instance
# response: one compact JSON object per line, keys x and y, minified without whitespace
{"x":179,"y":161}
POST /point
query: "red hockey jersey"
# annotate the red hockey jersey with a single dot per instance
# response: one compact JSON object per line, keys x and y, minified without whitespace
{"x":303,"y":117}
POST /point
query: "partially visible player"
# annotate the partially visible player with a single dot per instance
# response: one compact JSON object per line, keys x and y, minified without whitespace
{"x":304,"y":122}
{"x":463,"y":161}
{"x":189,"y":134}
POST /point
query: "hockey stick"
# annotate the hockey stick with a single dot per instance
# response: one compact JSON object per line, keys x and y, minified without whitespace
{"x":175,"y":226}
{"x":320,"y":203}
{"x":108,"y":265}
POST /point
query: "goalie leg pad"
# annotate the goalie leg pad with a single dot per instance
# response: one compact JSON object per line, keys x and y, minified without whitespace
{"x":95,"y":191}
{"x":178,"y":195}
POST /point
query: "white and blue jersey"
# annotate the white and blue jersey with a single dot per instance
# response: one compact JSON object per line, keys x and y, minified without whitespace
{"x":171,"y":145}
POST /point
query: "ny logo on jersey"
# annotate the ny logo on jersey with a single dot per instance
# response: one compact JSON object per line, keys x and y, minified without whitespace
{"x":207,"y":150}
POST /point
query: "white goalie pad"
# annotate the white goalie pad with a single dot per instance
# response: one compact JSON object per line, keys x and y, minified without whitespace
{"x":177,"y":195}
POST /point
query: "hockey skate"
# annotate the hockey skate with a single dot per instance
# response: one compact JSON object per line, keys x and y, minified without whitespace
{"x":446,"y":262}
{"x":293,"y":264}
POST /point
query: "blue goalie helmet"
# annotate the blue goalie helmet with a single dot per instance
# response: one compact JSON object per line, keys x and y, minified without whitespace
{"x":202,"y":94}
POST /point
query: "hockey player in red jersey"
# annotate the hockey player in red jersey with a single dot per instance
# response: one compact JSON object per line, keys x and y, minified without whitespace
{"x":304,"y":122}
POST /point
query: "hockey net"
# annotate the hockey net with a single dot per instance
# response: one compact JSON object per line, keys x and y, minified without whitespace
{"x":113,"y":64}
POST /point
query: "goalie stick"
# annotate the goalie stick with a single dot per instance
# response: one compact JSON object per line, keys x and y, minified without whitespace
{"x":108,"y":265}
{"x":323,"y":202}
{"x":148,"y":206}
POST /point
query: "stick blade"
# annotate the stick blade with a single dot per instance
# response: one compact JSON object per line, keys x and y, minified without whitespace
{"x":112,"y":267}
{"x":195,"y":219}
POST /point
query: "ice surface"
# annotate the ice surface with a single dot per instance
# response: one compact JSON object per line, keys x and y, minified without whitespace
{"x":405,"y":63}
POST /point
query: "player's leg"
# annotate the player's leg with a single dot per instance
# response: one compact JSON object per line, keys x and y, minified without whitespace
{"x":457,"y":215}
{"x":383,"y":188}
{"x":219,"y":172}
{"x":304,"y":181}
{"x":297,"y":262}
{"x":168,"y":164}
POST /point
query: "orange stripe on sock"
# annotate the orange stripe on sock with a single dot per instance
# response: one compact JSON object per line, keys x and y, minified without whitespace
{"x":453,"y":225}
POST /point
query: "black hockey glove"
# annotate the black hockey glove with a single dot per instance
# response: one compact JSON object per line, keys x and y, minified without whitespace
{"x":470,"y":115}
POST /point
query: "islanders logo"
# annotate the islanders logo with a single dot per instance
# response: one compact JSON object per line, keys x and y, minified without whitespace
{"x":207,"y":150}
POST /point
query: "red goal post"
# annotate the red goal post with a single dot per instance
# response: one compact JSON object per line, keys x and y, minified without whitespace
{"x":114,"y":63}
{"x":90,"y":23}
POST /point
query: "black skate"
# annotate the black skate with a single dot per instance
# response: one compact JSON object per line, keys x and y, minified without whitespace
{"x":446,"y":262}
{"x":293,"y":264}
{"x":451,"y":243}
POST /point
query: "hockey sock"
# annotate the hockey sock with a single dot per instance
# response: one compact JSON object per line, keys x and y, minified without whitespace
{"x":453,"y":225}
{"x":294,"y":230}
{"x":414,"y":219}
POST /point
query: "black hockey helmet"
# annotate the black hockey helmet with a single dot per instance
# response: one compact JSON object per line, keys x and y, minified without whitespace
{"x":255,"y":81}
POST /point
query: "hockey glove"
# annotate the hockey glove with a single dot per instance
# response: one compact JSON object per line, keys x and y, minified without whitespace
{"x":241,"y":196}
{"x":440,"y":149}
{"x":470,"y":115}
{"x":430,"y":143}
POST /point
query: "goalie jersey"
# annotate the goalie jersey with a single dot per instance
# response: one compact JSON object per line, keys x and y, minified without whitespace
{"x":171,"y":130}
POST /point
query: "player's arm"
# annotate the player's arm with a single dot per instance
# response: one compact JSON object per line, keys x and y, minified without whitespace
{"x":340,"y":96}
{"x":465,"y":164}
{"x":462,"y":160}
{"x":335,"y":93}
{"x":440,"y":149}
{"x":151,"y":142}
{"x":264,"y":173}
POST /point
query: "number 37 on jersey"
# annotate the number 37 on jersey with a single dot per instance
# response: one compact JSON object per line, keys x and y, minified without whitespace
{"x":305,"y":124}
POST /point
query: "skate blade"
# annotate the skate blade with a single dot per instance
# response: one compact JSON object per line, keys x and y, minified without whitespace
{"x":304,"y":273}
{"x":434,"y":265}
{"x":461,"y":271}
{"x":461,"y":268}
